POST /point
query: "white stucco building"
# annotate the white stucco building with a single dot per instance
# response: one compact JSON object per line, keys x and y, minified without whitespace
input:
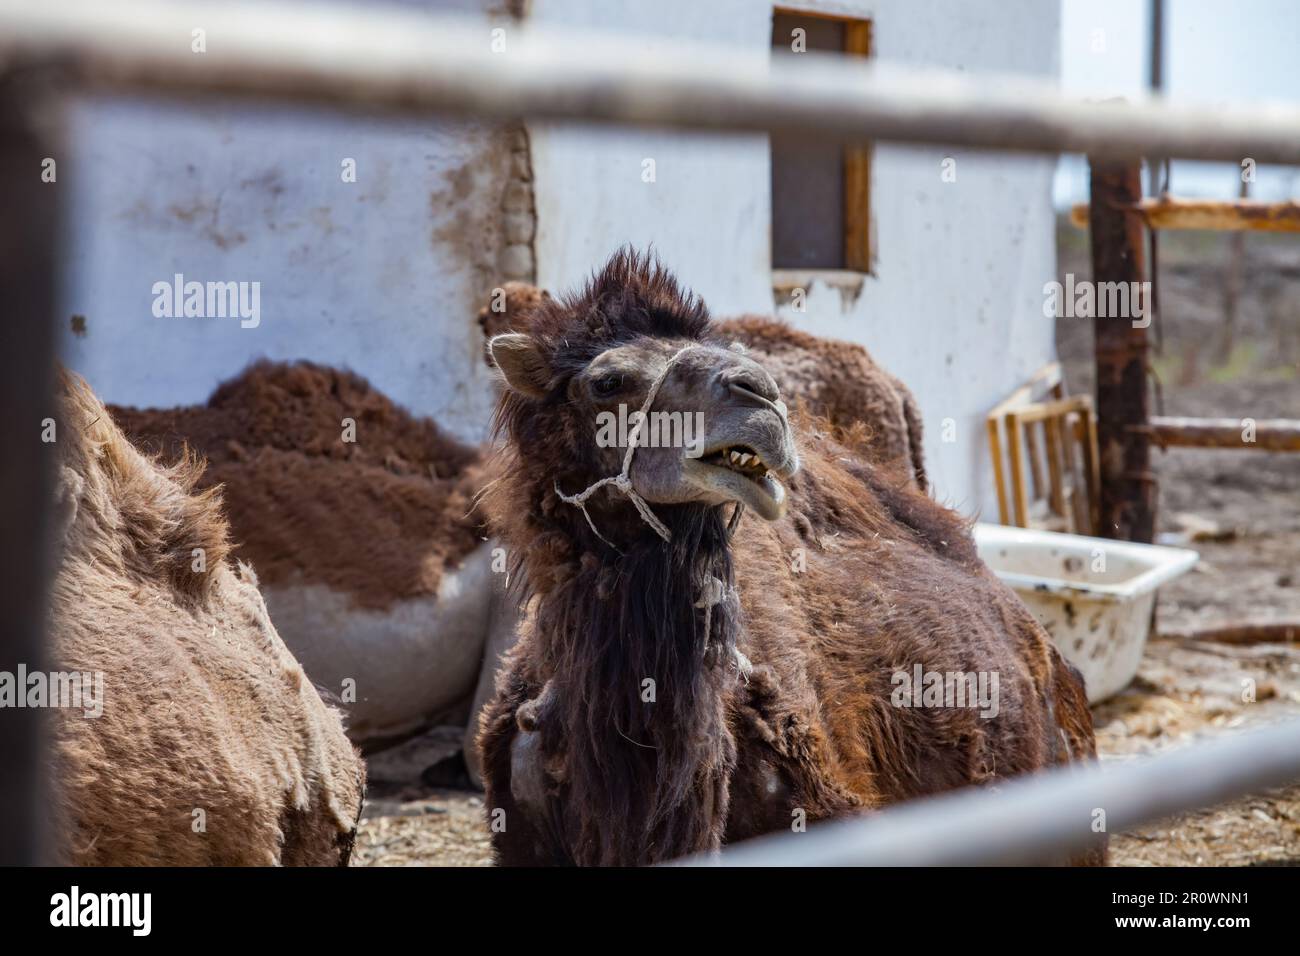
{"x":384,"y":274}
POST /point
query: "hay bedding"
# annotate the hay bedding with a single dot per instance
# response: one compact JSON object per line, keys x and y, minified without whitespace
{"x":409,"y":822}
{"x":1190,"y":690}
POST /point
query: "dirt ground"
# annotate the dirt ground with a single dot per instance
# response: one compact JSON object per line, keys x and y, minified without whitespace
{"x":1247,"y":504}
{"x":1249,"y":501}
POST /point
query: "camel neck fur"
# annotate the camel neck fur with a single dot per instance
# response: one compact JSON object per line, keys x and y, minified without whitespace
{"x":638,"y":689}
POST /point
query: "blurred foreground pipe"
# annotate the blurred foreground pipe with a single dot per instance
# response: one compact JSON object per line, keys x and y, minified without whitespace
{"x":1036,"y":818}
{"x":27,"y":291}
{"x":377,"y":57}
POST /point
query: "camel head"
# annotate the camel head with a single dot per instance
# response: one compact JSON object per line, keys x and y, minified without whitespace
{"x":631,"y":361}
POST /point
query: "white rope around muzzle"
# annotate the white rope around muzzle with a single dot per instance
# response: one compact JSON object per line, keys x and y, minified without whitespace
{"x":623,"y":481}
{"x":713,"y":590}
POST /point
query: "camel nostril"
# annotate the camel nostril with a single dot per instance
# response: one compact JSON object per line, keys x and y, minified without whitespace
{"x":753,"y":398}
{"x":754,"y":383}
{"x":746,"y":392}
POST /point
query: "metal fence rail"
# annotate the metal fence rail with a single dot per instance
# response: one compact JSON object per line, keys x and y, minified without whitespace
{"x":382,"y":58}
{"x":28,"y":287}
{"x":1033,"y":819}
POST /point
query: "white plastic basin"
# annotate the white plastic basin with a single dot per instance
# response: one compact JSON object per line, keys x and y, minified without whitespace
{"x":1092,"y":595}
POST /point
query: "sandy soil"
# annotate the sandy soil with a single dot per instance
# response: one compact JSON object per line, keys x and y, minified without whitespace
{"x":1185,"y":690}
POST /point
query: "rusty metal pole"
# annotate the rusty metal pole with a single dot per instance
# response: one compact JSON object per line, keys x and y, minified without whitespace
{"x":27,"y":291}
{"x":1128,"y":489}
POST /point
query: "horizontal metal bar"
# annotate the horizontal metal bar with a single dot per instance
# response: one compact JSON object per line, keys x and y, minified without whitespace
{"x":1030,"y":819}
{"x":379,"y":58}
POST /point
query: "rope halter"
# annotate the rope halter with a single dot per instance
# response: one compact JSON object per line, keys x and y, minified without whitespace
{"x":623,"y":481}
{"x":713,"y":591}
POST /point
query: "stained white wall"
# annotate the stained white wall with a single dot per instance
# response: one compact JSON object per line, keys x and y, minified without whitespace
{"x":707,"y":213}
{"x":954,"y":304}
{"x":383,"y":275}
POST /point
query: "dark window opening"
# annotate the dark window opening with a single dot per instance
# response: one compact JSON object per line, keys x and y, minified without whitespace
{"x":820,"y":207}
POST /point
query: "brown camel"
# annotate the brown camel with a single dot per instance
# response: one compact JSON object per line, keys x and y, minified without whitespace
{"x":869,"y":410}
{"x":679,"y":683}
{"x":371,"y":559}
{"x":508,"y":309}
{"x":211,"y":745}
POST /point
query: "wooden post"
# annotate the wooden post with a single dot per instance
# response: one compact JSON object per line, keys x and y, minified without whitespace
{"x":1232,"y":286}
{"x":27,"y":289}
{"x":1128,"y":490}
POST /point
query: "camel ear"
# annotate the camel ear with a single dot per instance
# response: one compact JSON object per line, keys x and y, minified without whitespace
{"x":521,"y":363}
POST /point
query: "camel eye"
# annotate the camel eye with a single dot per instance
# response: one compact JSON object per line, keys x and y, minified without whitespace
{"x":607,"y":384}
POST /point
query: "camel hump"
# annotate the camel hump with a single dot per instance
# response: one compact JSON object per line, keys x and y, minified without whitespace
{"x":869,"y":408}
{"x":145,"y":603}
{"x":112,"y":497}
{"x":915,"y":434}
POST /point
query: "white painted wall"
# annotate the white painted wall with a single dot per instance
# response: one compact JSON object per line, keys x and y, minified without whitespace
{"x":954,"y":306}
{"x":384,"y":275}
{"x":707,"y":213}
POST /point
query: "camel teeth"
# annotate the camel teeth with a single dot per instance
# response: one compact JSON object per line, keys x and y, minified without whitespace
{"x":735,"y":456}
{"x":744,"y":459}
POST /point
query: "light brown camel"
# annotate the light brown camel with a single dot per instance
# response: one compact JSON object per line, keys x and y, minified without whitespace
{"x":679,"y":683}
{"x":372,"y":562}
{"x":211,"y":746}
{"x":868,"y":409}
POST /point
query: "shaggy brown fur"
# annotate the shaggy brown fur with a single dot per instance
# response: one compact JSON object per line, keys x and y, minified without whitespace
{"x":273,"y":438}
{"x":862,"y":578}
{"x":868,"y":409}
{"x":204,"y":708}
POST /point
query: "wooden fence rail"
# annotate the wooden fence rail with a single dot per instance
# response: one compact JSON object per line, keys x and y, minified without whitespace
{"x":1228,"y":215}
{"x":1266,"y":434}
